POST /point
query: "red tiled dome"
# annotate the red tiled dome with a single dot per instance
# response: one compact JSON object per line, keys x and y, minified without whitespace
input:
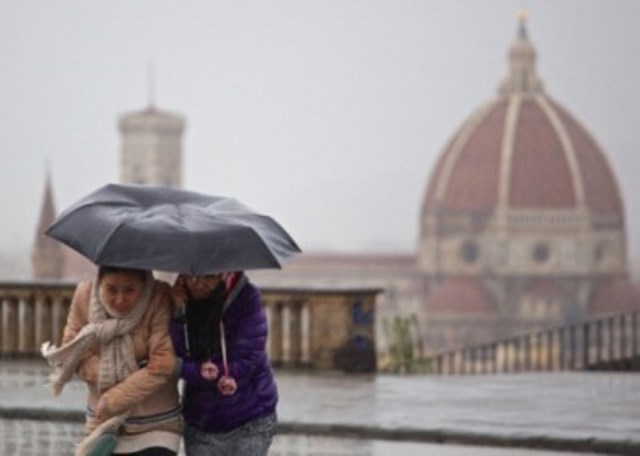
{"x":461,"y":296}
{"x":522,"y":151}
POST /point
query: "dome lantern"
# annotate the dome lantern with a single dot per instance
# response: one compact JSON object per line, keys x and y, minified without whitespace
{"x":522,"y":77}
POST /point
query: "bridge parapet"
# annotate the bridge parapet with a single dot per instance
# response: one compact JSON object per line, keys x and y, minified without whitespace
{"x":610,"y":342}
{"x":308,"y":328}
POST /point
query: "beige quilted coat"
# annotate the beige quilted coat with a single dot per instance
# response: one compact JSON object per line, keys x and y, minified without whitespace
{"x":144,"y":394}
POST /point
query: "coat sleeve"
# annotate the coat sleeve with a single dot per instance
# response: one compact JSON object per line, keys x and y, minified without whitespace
{"x":77,"y":318}
{"x":141,"y":384}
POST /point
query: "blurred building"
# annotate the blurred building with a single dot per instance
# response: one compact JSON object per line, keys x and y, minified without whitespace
{"x":151,"y":151}
{"x":522,"y":226}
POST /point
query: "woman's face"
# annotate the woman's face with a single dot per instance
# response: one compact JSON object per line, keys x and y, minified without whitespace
{"x":201,"y":287}
{"x":120,"y":290}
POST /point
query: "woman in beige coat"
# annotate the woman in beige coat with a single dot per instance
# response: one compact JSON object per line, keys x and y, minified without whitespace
{"x":115,"y":338}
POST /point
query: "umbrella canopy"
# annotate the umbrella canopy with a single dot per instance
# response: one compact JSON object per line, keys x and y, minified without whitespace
{"x":167,"y":229}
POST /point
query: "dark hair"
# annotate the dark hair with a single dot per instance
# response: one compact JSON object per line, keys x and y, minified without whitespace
{"x":104,"y":270}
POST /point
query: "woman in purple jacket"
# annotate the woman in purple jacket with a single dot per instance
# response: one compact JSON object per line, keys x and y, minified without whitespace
{"x":219,"y":333}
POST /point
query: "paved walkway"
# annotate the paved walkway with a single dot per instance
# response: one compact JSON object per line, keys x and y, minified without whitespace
{"x":372,"y":415}
{"x":53,"y":438}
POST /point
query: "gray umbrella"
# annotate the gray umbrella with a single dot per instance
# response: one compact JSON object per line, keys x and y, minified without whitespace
{"x":162,"y":228}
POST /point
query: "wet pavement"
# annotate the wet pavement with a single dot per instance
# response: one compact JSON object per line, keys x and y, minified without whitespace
{"x":46,"y":438}
{"x":355,"y":414}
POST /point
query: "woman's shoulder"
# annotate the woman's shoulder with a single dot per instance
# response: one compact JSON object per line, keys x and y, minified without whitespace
{"x":250,"y":292}
{"x":248,"y":301}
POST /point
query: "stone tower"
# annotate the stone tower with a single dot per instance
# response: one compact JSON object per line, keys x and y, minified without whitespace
{"x":47,"y":257}
{"x":151,"y":151}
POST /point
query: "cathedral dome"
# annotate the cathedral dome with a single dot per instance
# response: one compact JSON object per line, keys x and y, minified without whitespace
{"x":522,"y":188}
{"x":522,"y":151}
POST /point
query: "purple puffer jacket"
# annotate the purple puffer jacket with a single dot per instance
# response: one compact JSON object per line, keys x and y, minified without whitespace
{"x":245,"y":326}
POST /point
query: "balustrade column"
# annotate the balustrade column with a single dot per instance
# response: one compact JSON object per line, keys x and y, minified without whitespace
{"x":599,"y":341}
{"x":58,"y":319}
{"x":634,"y":334}
{"x":26,"y":331}
{"x":573,"y":346}
{"x":539,"y":352}
{"x":623,"y":337}
{"x":586,"y":346}
{"x":551,"y":351}
{"x":275,"y":333}
{"x":306,"y":334}
{"x":43,"y":322}
{"x":502,"y":357}
{"x":295,"y":333}
{"x":610,"y":342}
{"x":9,"y":326}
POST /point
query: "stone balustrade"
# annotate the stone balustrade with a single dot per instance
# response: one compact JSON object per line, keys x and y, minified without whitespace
{"x":611,"y":342}
{"x":308,"y":328}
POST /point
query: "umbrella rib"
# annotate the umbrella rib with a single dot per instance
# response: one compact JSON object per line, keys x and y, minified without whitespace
{"x":101,"y":248}
{"x":264,"y":244}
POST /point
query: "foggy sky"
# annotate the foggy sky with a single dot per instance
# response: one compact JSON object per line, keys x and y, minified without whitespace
{"x":328,"y":115}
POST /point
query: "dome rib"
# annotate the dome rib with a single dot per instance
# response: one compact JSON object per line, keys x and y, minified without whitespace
{"x":541,"y":175}
{"x":568,"y":148}
{"x":506,"y":153}
{"x":457,"y":186}
{"x":602,"y":193}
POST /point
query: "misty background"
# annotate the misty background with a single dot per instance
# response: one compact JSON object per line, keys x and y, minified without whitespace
{"x":328,"y":115}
